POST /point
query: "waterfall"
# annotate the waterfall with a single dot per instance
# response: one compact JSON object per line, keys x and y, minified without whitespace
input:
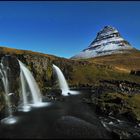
{"x":25,"y":106}
{"x":28,"y":86}
{"x":62,"y":82}
{"x":4,"y":76}
{"x":27,"y":77}
{"x":5,"y":82}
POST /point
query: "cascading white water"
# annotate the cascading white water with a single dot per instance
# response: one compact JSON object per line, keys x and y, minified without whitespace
{"x":5,"y":82}
{"x":62,"y":82}
{"x":26,"y":76}
{"x":10,"y":119}
{"x":36,"y":95}
{"x":25,"y":107}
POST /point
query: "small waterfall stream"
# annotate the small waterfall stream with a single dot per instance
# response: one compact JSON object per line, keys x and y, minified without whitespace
{"x":4,"y":76}
{"x":63,"y":83}
{"x":25,"y":105}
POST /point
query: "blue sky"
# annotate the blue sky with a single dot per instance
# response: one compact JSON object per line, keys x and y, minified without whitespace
{"x":64,"y":28}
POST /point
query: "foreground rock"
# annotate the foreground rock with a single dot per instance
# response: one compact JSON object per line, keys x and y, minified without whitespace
{"x":117,"y":104}
{"x":68,"y":119}
{"x":73,"y":127}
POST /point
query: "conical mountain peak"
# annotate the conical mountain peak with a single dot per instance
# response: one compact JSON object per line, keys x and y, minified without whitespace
{"x":108,"y":41}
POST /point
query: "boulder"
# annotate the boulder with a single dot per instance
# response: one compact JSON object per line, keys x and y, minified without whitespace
{"x":73,"y":127}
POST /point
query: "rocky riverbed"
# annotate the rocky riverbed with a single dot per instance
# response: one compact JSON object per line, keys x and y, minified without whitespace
{"x":70,"y":117}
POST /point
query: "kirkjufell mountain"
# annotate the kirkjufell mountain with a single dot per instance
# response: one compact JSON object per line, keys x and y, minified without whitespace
{"x":108,"y":41}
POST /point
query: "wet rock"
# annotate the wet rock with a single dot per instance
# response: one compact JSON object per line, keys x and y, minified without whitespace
{"x":55,"y":92}
{"x":10,"y":65}
{"x":135,"y":72}
{"x":121,"y":86}
{"x":73,"y":127}
{"x":11,"y":62}
{"x":10,"y":68}
{"x":116,"y":104}
{"x":130,"y":116}
{"x":69,"y":93}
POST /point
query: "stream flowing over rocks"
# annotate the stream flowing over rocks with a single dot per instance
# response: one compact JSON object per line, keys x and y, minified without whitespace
{"x":69,"y":118}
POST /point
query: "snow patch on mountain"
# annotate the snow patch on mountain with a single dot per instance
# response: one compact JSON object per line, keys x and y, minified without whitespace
{"x":107,"y":42}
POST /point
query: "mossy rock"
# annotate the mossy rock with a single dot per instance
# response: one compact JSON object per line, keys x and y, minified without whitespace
{"x":119,"y":104}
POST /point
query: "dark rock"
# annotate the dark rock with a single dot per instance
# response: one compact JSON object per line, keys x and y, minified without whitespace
{"x":69,"y":93}
{"x":130,"y":116}
{"x":135,"y":72}
{"x":11,"y":66}
{"x":73,"y":127}
{"x":120,"y":86}
{"x":12,"y":63}
{"x":55,"y":92}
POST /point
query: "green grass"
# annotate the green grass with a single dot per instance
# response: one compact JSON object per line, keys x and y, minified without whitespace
{"x":91,"y":74}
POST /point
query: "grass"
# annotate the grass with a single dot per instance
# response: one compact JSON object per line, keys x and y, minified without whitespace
{"x":91,"y":74}
{"x":134,"y":101}
{"x":127,"y":61}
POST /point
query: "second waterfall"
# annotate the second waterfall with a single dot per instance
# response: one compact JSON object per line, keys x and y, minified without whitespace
{"x":63,"y":83}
